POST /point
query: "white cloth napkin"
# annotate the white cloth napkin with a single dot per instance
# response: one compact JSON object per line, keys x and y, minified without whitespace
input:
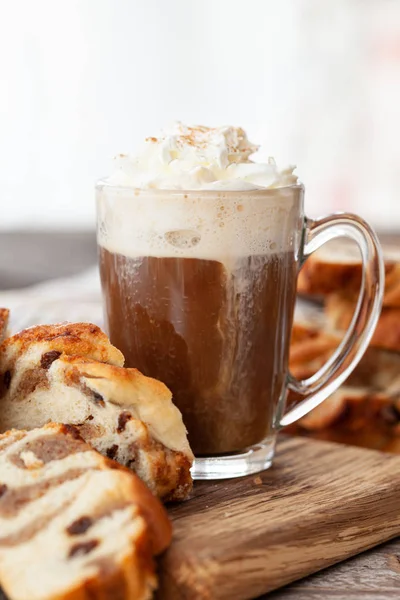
{"x":76,"y":298}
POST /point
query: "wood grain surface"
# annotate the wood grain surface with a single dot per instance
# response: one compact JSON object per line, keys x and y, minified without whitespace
{"x":319,"y":504}
{"x":373,"y":575}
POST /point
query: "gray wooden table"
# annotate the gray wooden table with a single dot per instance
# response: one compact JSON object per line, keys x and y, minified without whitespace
{"x":373,"y":575}
{"x":27,"y":257}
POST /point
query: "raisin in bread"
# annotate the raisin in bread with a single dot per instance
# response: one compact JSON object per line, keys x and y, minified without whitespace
{"x":72,"y":374}
{"x":73,"y":524}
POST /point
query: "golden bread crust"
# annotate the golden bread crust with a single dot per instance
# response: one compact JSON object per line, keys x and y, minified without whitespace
{"x":73,"y":339}
{"x":4,"y":318}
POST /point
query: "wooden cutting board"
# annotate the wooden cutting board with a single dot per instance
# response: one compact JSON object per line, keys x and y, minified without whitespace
{"x":319,"y":504}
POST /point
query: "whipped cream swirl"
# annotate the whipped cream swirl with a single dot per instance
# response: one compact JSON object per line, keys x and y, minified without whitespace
{"x":199,"y":158}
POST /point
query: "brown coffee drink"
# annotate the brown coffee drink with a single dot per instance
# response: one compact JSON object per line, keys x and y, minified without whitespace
{"x":212,"y":319}
{"x":218,"y":340}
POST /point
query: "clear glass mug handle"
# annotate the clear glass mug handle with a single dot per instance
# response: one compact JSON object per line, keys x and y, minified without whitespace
{"x":317,"y":388}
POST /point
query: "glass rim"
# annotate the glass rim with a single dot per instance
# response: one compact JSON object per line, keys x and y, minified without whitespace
{"x":103,"y":183}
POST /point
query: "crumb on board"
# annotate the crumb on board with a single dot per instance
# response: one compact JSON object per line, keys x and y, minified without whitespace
{"x":257,"y":480}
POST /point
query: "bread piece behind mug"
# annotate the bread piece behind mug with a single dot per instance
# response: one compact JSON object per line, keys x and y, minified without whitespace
{"x":337,"y":267}
{"x":71,"y":374}
{"x":357,"y":416}
{"x":310,"y":348}
{"x":339,"y":310}
{"x":366,"y":410}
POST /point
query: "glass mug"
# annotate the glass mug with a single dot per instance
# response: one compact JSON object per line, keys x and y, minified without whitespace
{"x":199,"y":291}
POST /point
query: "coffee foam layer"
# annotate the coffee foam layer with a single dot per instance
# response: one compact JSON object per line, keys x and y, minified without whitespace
{"x":206,"y":225}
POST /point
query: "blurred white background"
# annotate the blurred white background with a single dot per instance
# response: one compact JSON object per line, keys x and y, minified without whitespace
{"x":317,"y":83}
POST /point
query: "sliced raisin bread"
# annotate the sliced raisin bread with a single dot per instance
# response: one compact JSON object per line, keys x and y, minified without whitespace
{"x":363,"y":412}
{"x":337,"y":266}
{"x":73,"y":524}
{"x":358,"y":416}
{"x":71,"y":374}
{"x":339,"y":310}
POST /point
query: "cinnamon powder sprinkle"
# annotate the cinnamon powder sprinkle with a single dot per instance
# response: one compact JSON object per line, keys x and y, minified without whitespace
{"x":198,"y":137}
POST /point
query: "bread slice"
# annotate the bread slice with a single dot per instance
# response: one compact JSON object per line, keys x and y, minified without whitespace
{"x":339,"y":310}
{"x":70,"y":373}
{"x":310,"y":348}
{"x":337,"y":267}
{"x":366,"y":410}
{"x":73,"y":524}
{"x":357,"y":416}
